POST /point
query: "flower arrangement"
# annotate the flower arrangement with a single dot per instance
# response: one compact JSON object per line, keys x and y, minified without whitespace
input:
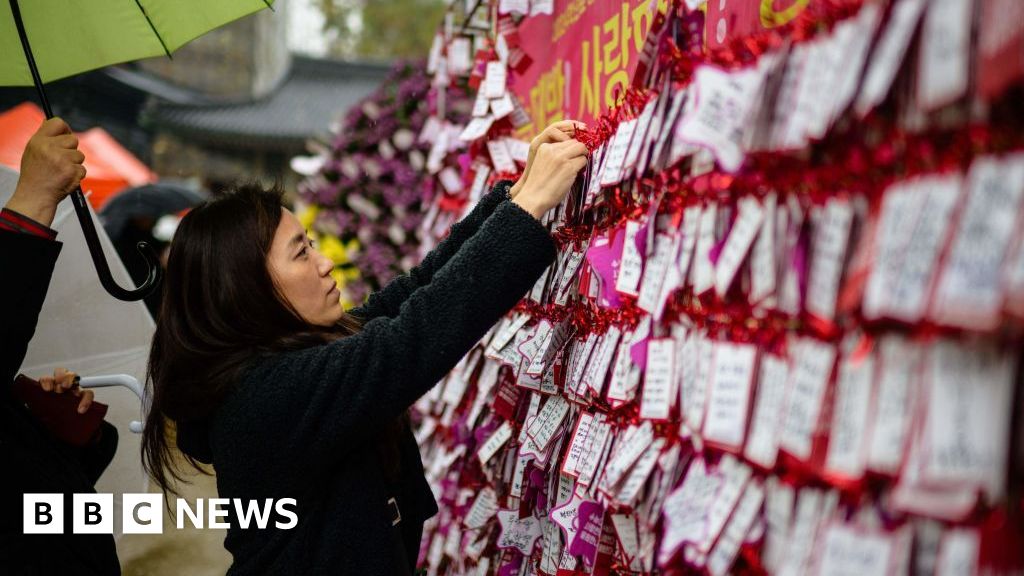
{"x":364,"y":203}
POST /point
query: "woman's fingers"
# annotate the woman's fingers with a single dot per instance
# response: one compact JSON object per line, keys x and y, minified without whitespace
{"x":578,"y":163}
{"x":555,"y":135}
{"x":70,"y":381}
{"x":86,"y":400}
{"x":557,"y":132}
{"x":63,"y":380}
{"x":568,"y":126}
{"x":571,"y":148}
{"x":577,"y":148}
{"x":58,"y":380}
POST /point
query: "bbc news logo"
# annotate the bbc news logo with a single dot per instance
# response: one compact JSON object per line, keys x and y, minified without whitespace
{"x":143,"y":513}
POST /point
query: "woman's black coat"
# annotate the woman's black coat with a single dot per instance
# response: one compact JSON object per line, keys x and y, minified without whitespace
{"x":303,"y":424}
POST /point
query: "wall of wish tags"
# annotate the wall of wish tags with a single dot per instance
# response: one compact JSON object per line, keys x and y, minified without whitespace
{"x":782,"y":334}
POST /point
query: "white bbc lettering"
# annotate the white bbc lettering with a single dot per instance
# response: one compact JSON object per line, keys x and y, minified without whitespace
{"x":246,"y":514}
{"x":42,"y":513}
{"x":183,"y":509}
{"x":215,"y":513}
{"x":282,"y":511}
{"x":142,"y":514}
{"x":92,"y":514}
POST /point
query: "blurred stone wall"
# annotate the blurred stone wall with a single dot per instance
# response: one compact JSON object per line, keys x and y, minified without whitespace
{"x":241,"y":61}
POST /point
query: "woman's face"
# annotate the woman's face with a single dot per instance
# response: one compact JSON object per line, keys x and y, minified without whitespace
{"x":302,"y":274}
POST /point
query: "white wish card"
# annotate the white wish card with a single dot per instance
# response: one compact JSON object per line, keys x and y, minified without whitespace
{"x":494,"y":443}
{"x":625,"y":375}
{"x":969,"y":291}
{"x":899,"y":366}
{"x":614,"y":163}
{"x":666,"y":246}
{"x":732,"y":381}
{"x":945,"y":52}
{"x":476,"y":129}
{"x":484,"y":507}
{"x":631,"y":265}
{"x":762,"y":255}
{"x":686,"y":509}
{"x":851,"y":551}
{"x":725,"y":550}
{"x":810,"y":374}
{"x":501,"y":158}
{"x":698,"y":358}
{"x":643,"y":123}
{"x":864,"y":25}
{"x":887,"y":57}
{"x":495,"y":79}
{"x":601,"y":360}
{"x":703,"y":270}
{"x":958,"y":553}
{"x":916,"y":216}
{"x":503,"y":106}
{"x":828,"y":253}
{"x":969,"y":401}
{"x":577,"y":443}
{"x":481,"y":105}
{"x":744,"y":230}
{"x":718,"y":119}
{"x":847,"y":445}
{"x":548,"y":422}
{"x":763,"y":441}
{"x":659,"y":379}
{"x":735,"y":475}
{"x":921,"y":253}
{"x":668,"y":127}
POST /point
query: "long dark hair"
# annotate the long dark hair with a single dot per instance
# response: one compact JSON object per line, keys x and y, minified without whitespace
{"x":220,"y":310}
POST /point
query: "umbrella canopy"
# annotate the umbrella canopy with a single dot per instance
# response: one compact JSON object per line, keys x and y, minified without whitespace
{"x":58,"y":38}
{"x":111,"y":168}
{"x":69,"y":38}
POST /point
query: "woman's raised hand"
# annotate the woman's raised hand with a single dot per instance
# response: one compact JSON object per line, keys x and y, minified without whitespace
{"x":551,"y":172}
{"x":556,"y":132}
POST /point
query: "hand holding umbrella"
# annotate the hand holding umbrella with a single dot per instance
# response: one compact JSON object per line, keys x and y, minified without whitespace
{"x":51,"y":168}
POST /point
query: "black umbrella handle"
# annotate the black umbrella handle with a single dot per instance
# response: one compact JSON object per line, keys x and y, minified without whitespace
{"x":100,"y":261}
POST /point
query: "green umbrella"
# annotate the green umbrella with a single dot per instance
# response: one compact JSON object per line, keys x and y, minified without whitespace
{"x":46,"y":40}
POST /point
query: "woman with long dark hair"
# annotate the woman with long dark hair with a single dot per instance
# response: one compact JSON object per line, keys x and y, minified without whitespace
{"x":258,"y":370}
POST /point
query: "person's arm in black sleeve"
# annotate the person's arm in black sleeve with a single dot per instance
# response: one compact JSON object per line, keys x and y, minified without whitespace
{"x":323,"y":394}
{"x":388,"y":300}
{"x":51,"y":167}
{"x":26,"y":263}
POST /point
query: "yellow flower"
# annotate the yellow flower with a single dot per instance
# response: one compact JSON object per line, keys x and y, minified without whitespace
{"x":352,"y":248}
{"x":332,"y":247}
{"x":307,"y":215}
{"x":339,"y":277}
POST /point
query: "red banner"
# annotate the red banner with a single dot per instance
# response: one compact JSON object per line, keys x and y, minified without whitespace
{"x":585,"y":53}
{"x":584,"y":56}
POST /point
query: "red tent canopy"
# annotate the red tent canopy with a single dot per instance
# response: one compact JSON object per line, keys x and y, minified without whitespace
{"x":111,"y":168}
